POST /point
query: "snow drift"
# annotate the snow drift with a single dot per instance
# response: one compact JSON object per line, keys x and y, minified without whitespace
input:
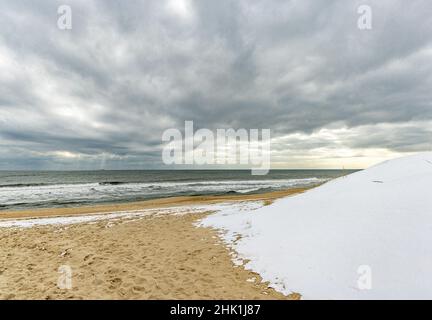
{"x":363,"y":236}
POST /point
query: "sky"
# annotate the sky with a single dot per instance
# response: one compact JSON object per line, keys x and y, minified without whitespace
{"x":101,"y":94}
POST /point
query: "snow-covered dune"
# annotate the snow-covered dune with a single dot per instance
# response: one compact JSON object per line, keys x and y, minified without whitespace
{"x":364,"y":236}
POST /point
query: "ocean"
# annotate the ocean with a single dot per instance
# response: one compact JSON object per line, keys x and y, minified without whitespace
{"x":42,"y":189}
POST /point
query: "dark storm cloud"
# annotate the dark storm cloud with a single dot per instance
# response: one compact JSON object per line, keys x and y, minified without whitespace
{"x":101,"y":94}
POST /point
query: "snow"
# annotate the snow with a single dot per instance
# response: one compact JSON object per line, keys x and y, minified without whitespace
{"x":363,"y":236}
{"x":129,"y":215}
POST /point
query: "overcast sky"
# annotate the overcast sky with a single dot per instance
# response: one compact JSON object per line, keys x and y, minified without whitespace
{"x":101,"y":94}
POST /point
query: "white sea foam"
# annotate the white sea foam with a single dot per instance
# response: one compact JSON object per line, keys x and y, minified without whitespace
{"x":61,"y":194}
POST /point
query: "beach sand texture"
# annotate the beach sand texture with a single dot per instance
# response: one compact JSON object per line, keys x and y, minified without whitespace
{"x":154,"y":257}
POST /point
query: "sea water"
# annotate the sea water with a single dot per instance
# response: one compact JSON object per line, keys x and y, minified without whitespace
{"x":38,"y":189}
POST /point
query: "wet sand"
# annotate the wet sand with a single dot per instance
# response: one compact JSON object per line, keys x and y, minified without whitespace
{"x":154,"y":257}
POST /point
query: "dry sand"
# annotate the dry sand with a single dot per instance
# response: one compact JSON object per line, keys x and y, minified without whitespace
{"x":155,"y":257}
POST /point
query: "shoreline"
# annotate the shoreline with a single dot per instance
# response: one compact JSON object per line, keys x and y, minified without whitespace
{"x":150,"y":257}
{"x":146,"y":204}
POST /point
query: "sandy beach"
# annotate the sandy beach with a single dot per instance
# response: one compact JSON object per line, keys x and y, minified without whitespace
{"x":154,"y":257}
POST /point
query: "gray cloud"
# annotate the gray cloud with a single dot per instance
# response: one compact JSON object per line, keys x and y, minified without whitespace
{"x":101,"y":94}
